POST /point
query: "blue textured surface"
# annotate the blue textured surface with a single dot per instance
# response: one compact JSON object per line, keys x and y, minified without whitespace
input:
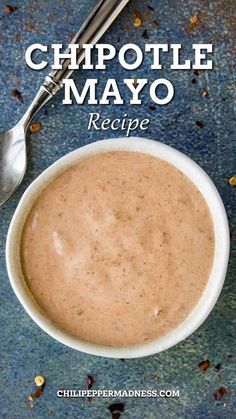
{"x":27,"y":351}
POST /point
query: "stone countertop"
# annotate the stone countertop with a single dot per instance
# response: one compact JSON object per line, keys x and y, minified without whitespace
{"x":26,"y":350}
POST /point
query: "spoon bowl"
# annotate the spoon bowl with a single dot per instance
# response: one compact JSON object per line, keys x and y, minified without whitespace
{"x":12,"y":160}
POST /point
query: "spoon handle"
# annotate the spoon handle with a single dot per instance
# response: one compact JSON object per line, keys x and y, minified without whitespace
{"x":98,"y":21}
{"x":90,"y":32}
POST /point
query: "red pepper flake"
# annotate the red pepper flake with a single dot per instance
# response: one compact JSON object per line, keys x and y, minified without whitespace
{"x":204,"y":365}
{"x":9,"y":8}
{"x":194,"y":19}
{"x":152,"y":107}
{"x":19,"y":37}
{"x":38,"y":392}
{"x":220,"y":393}
{"x":90,"y":381}
{"x":199,"y":124}
{"x":30,"y":27}
{"x":193,"y":22}
{"x":205,"y":93}
{"x":145,"y":34}
{"x":116,"y":409}
{"x":196,"y":73}
{"x":17,"y":95}
{"x":35,"y":127}
{"x":136,"y":14}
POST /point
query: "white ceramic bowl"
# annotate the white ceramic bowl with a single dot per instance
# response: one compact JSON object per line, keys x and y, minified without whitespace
{"x":216,"y":278}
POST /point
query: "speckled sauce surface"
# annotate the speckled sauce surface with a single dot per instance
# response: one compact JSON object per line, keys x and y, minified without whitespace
{"x":118,"y":249}
{"x":26,"y":351}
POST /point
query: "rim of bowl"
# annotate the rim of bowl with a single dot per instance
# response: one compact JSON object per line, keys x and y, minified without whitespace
{"x":216,"y":279}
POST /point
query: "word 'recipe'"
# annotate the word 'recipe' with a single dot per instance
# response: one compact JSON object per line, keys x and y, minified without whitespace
{"x":130,"y":57}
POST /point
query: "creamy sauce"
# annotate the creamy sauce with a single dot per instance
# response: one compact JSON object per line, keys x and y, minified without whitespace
{"x":118,"y":249}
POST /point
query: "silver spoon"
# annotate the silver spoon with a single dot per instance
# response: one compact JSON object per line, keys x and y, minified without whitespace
{"x":13,"y":142}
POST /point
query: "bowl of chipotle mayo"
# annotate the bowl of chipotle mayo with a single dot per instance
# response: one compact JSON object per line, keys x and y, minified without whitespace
{"x":120,"y":248}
